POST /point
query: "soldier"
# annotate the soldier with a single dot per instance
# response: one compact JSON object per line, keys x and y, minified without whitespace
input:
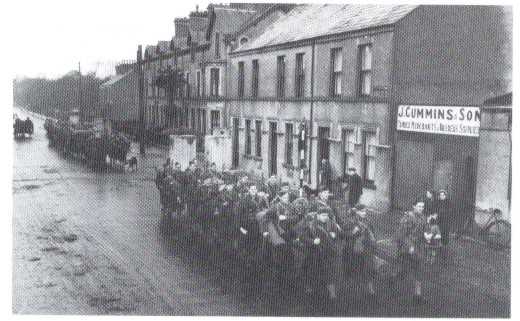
{"x":322,"y":203}
{"x":248,"y":206}
{"x":358,"y":253}
{"x":281,"y":217}
{"x":321,"y":239}
{"x":409,"y":237}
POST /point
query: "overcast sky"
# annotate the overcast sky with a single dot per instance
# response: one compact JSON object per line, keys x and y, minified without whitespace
{"x":51,"y":36}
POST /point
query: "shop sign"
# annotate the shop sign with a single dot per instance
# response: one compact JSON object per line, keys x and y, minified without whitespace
{"x":448,"y":120}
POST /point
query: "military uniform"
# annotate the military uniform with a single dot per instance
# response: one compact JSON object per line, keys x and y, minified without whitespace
{"x":409,"y":239}
{"x":358,"y":253}
{"x":279,"y":220}
{"x":320,"y":257}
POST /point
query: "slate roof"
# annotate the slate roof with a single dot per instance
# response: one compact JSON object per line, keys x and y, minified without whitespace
{"x":150,"y":50}
{"x":197,"y":28}
{"x":228,"y":20}
{"x":314,"y":20}
{"x":164,"y":46}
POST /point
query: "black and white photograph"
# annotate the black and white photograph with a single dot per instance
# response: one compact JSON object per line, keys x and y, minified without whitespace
{"x":260,"y":159}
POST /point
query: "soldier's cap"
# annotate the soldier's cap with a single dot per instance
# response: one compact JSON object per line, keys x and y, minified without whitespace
{"x":418,"y":200}
{"x":360,"y":207}
{"x":325,"y":189}
{"x":282,"y":192}
{"x":442,"y":191}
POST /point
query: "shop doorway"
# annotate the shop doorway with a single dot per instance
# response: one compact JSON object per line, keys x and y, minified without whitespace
{"x":235,"y":142}
{"x":273,"y":149}
{"x":438,"y":162}
{"x":443,"y":175}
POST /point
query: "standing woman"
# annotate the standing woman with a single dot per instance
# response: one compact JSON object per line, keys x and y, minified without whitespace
{"x":445,"y":211}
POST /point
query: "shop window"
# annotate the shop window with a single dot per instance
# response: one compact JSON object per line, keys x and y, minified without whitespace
{"x":299,"y":81}
{"x":248,"y":137}
{"x":289,"y":143}
{"x":241,"y":79}
{"x":280,"y":76}
{"x":254,"y":80}
{"x":365,"y":70}
{"x":258,"y":134}
{"x":348,"y":139}
{"x":336,"y":71}
{"x":369,"y":157}
{"x":214,"y":82}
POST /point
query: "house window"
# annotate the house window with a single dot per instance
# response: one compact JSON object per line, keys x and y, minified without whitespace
{"x":199,"y":125}
{"x":215,"y":120}
{"x":254,"y":80}
{"x":258,"y":134}
{"x":187,"y":88}
{"x":336,"y":68}
{"x":203,"y":122}
{"x":280,"y":76}
{"x":299,"y":81}
{"x":214,"y":82}
{"x":348,"y":139}
{"x":192,"y":53}
{"x":248,"y":137}
{"x":369,"y":157}
{"x":193,"y":119}
{"x":217,"y":45}
{"x":241,"y":79}
{"x":289,"y":143}
{"x":198,"y":84}
{"x":365,"y":70}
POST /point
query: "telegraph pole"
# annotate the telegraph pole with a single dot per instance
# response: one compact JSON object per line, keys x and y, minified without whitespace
{"x":140,"y":89}
{"x":80,"y":106}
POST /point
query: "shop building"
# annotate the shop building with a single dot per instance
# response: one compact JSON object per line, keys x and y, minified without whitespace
{"x":440,"y":80}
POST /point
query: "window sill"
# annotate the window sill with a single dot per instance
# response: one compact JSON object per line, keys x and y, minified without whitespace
{"x":252,"y":157}
{"x":369,"y":185}
{"x":289,"y":166}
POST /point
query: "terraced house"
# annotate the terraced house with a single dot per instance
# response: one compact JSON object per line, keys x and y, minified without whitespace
{"x":185,"y":78}
{"x":344,"y":71}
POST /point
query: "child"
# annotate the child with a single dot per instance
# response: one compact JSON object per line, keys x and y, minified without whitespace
{"x":432,"y":236}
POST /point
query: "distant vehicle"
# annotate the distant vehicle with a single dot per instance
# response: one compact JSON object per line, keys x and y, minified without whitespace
{"x":23,"y":127}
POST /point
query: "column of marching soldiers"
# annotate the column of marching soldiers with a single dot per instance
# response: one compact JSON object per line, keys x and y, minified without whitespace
{"x":292,"y":233}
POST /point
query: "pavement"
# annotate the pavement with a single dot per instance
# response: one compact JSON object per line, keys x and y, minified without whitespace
{"x":88,"y":242}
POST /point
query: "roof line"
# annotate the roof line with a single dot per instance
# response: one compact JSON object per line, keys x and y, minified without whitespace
{"x":311,"y":39}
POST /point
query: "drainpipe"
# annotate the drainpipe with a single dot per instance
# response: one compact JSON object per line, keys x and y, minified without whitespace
{"x":311,"y":120}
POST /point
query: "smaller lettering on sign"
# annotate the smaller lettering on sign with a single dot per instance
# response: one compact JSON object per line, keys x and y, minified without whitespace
{"x":447,"y":120}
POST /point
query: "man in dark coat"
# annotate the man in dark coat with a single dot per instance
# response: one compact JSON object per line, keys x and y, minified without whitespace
{"x":326,"y":174}
{"x":355,"y":187}
{"x":444,"y":210}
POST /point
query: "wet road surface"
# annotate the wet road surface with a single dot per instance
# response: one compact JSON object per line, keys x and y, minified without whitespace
{"x":88,"y":242}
